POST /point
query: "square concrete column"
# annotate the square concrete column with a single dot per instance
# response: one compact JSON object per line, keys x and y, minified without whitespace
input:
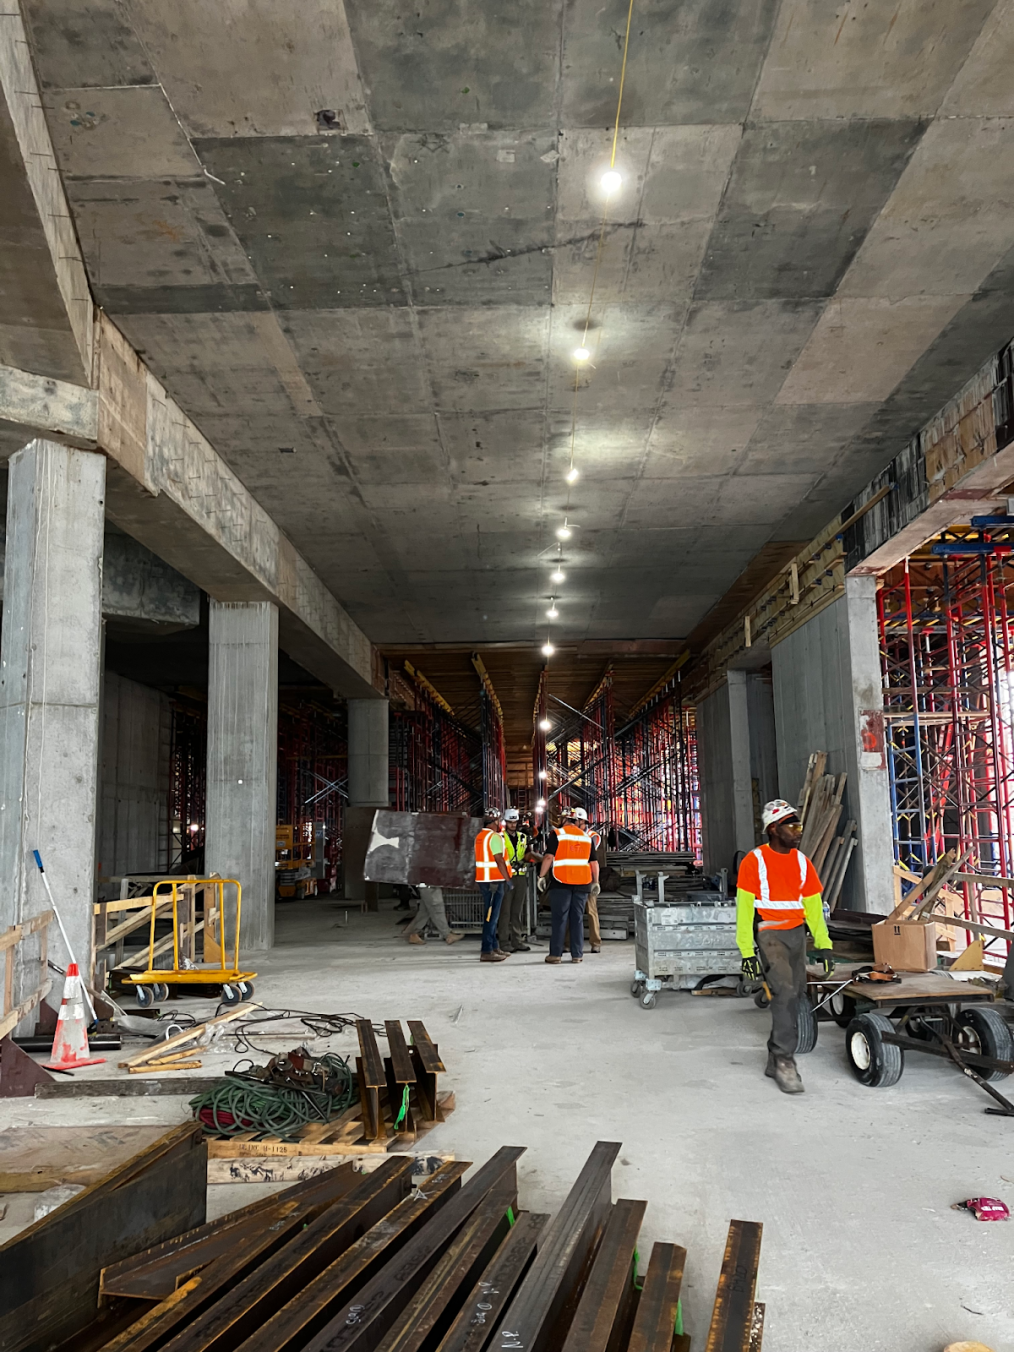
{"x":241,"y":810}
{"x":50,"y":666}
{"x":369,"y":775}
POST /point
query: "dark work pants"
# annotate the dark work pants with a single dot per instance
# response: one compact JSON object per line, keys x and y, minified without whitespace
{"x":567,"y":907}
{"x":492,"y":896}
{"x":783,"y":955}
{"x":511,"y":930}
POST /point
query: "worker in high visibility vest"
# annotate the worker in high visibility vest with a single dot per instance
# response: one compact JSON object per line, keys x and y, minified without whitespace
{"x":491,"y":873}
{"x":574,"y":872}
{"x":511,"y":931}
{"x":778,"y":898}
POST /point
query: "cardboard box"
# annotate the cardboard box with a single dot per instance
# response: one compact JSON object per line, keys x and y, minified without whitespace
{"x":907,"y":945}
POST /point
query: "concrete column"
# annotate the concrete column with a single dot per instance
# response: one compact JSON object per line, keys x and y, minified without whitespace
{"x":50,"y":663}
{"x":241,"y":808}
{"x":740,"y":767}
{"x":368,"y":789}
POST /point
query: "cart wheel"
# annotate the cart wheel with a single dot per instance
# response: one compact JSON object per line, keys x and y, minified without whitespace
{"x":874,"y":1062}
{"x":985,"y":1032}
{"x":231,"y":995}
{"x":636,"y":989}
{"x":648,"y":1000}
{"x":161,"y":991}
{"x":246,"y":990}
{"x":842,"y":1008}
{"x":145,"y":996}
{"x":806,"y":1026}
{"x":761,"y":999}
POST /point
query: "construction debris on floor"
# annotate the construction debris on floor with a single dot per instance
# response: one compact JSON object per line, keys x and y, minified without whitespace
{"x":375,"y":1262}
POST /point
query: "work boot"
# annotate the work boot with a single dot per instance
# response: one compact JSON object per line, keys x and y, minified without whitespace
{"x":453,"y":937}
{"x":492,"y":957}
{"x":414,"y":939}
{"x":577,"y":959}
{"x":787,"y":1076}
{"x":553,"y":960}
{"x":769,"y":1070}
{"x":521,"y":948}
{"x":596,"y":948}
{"x":501,"y":952}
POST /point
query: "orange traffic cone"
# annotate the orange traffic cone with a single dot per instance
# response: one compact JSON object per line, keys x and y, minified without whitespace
{"x":70,"y":1041}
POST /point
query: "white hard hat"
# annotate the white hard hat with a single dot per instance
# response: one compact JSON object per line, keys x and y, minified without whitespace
{"x":492,"y":812}
{"x":512,"y":815}
{"x":579,"y":814}
{"x":776,"y":811}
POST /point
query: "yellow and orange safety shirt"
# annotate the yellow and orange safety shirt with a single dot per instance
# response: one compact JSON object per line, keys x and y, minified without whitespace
{"x":486,"y":870}
{"x":782,"y":891}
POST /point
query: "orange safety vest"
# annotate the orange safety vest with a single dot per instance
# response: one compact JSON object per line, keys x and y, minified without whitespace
{"x":571,"y":863}
{"x":486,"y":870}
{"x":779,"y":913}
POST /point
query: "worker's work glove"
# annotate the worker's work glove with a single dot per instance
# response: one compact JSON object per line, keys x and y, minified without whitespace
{"x":751,"y":967}
{"x":543,"y":883}
{"x":823,"y":957}
{"x":595,"y":889}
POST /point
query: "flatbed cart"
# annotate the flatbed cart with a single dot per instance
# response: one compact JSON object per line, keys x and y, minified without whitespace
{"x":923,"y":1012}
{"x":153,"y":984}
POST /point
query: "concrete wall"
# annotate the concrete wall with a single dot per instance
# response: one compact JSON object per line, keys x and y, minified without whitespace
{"x":737,"y":764}
{"x":133,"y":779}
{"x":825,"y":674}
{"x":714,"y":765}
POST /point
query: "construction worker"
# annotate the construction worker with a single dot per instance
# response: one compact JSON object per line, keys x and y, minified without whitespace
{"x":511,"y":929}
{"x":778,"y":897}
{"x":575,"y":872}
{"x":592,"y":908}
{"x":431,"y":912}
{"x":491,"y":873}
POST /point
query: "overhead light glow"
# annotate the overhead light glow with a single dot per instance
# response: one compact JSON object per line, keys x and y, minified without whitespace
{"x":558,"y":576}
{"x":541,"y":803}
{"x":612,"y":182}
{"x":548,"y":649}
{"x":581,"y":354}
{"x":563,"y":533}
{"x":552,"y":612}
{"x":572,"y":474}
{"x":545,"y":724}
{"x":542,"y":774}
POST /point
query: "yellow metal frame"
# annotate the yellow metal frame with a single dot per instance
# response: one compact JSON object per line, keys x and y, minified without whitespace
{"x":194,"y":976}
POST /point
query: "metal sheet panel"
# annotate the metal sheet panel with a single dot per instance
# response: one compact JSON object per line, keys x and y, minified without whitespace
{"x":422,"y":847}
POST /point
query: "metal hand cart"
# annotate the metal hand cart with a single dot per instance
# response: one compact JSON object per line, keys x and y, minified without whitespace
{"x":221,"y":914}
{"x":678,"y":945}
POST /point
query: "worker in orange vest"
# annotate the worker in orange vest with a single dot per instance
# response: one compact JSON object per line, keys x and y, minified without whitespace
{"x":778,"y":897}
{"x":491,"y":872}
{"x":574,"y":872}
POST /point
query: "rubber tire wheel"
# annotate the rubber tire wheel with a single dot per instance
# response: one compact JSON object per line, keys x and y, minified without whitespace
{"x":648,"y":1000}
{"x":161,"y":991}
{"x":990,"y":1036}
{"x":246,"y":990}
{"x":761,"y":999}
{"x":636,"y":989}
{"x":842,"y":1008}
{"x":145,"y":996}
{"x":806,"y":1027}
{"x":231,"y":995}
{"x":875,"y":1063}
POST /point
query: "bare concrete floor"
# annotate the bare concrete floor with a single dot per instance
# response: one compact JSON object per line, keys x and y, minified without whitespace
{"x":861,"y":1250}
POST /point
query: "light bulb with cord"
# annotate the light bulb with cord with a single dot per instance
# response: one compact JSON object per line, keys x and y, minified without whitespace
{"x":548,"y":649}
{"x":581,"y":353}
{"x":558,"y":575}
{"x":541,"y":803}
{"x":572,"y":474}
{"x":611,"y":182}
{"x":545,"y":724}
{"x":563,"y":532}
{"x":552,"y":612}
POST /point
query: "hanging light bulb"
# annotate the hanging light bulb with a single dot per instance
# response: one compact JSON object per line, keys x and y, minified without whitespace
{"x":611,"y":182}
{"x":542,"y":774}
{"x":563,"y":533}
{"x":572,"y":474}
{"x":548,"y":649}
{"x":541,"y":803}
{"x":557,"y":576}
{"x":552,"y":612}
{"x":581,"y":354}
{"x":545,"y":724}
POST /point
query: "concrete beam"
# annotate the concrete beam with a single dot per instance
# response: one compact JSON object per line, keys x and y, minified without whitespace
{"x":31,"y":404}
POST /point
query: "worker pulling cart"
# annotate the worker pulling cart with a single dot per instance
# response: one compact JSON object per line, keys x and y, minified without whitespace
{"x":216,"y":933}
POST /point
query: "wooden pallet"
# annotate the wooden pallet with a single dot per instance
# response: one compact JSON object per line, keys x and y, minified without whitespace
{"x":345,"y":1136}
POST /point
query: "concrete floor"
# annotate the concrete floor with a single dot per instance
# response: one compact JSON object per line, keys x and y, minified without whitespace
{"x":861,"y":1250}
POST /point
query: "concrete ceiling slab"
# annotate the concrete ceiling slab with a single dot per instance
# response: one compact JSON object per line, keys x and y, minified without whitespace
{"x":118,"y":133}
{"x":699,"y":440}
{"x":739,"y":352}
{"x":983,"y":87}
{"x":244,"y":68}
{"x":86,"y":43}
{"x":784,"y":440}
{"x":831,"y":60}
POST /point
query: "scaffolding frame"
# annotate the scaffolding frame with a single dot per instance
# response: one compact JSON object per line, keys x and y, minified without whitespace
{"x":436,"y":762}
{"x":946,"y":636}
{"x":188,"y":748}
{"x":312,"y":787}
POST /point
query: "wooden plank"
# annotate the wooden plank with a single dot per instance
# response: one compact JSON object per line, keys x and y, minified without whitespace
{"x":605,"y":1312}
{"x":10,"y":1021}
{"x":259,"y":1169}
{"x":732,"y":1318}
{"x":15,"y":933}
{"x":247,"y":1304}
{"x":160,"y":1069}
{"x":155,"y":1273}
{"x":123,"y":904}
{"x":459,"y":1267}
{"x":655,"y":1323}
{"x":127,"y":1088}
{"x":383,"y":1298}
{"x":188,"y":1035}
{"x":484,"y":1307}
{"x":426,"y":1048}
{"x":537,"y":1317}
{"x":49,"y":1273}
{"x":973,"y":925}
{"x":306,"y":1311}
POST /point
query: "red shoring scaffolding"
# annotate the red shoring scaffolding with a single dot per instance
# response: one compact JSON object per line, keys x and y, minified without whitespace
{"x":436,"y":762}
{"x":187,"y":779}
{"x":313,"y":778}
{"x":945,"y":630}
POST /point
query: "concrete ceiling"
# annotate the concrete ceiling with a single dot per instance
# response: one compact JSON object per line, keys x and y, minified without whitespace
{"x":813,"y":249}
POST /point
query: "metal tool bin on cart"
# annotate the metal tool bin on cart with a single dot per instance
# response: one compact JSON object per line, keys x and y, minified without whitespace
{"x":679,"y":944}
